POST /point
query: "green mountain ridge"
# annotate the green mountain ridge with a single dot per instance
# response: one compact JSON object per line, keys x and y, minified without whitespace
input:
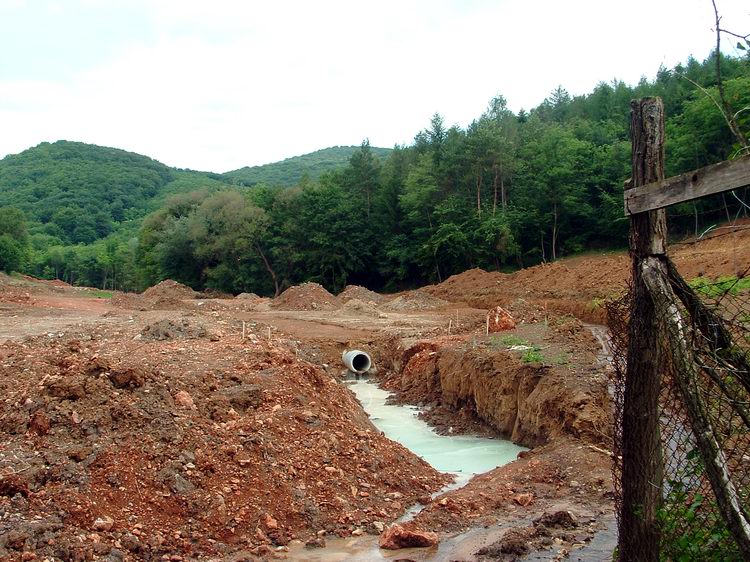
{"x":76,"y":193}
{"x":290,"y":171}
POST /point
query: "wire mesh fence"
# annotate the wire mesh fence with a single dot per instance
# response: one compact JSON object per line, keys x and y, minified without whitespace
{"x":704,"y":414}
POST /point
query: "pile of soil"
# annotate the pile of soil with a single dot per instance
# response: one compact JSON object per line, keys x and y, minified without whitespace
{"x":308,"y":296}
{"x":362,"y":308}
{"x":361,"y":293}
{"x":144,"y":450}
{"x":578,"y":285}
{"x":168,"y":329}
{"x":247,"y":296}
{"x":15,"y":295}
{"x":414,"y":300}
{"x":169,"y":289}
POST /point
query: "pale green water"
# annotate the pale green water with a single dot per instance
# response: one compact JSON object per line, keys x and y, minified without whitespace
{"x":462,"y":455}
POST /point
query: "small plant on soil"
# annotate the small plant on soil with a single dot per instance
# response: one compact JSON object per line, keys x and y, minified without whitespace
{"x":101,"y":294}
{"x":690,"y":523}
{"x":532,"y":356}
{"x":511,"y":340}
{"x":723,"y":285}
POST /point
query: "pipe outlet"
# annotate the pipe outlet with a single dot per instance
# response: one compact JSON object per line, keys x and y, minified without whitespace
{"x":356,"y":361}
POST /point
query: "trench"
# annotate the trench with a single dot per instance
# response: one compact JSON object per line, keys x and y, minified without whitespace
{"x":462,"y":456}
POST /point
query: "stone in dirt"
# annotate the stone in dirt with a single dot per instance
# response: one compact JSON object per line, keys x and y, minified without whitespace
{"x":40,"y":423}
{"x":104,"y":523}
{"x":524,"y":499}
{"x":396,"y":537}
{"x":499,"y":320}
{"x":184,"y":400}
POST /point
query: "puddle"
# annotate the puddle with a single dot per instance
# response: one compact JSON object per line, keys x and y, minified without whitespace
{"x":461,"y":455}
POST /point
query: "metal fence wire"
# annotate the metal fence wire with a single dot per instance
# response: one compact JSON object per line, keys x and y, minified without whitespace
{"x":704,"y":414}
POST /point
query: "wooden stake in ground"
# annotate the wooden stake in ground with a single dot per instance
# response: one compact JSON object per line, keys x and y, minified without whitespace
{"x":642,"y":467}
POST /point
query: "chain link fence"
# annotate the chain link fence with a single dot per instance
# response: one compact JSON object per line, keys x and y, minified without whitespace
{"x":704,"y":413}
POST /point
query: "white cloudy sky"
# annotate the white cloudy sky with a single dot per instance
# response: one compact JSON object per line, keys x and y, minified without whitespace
{"x":220,"y":84}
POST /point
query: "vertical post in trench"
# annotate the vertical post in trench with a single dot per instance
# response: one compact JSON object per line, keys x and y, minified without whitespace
{"x":642,"y":463}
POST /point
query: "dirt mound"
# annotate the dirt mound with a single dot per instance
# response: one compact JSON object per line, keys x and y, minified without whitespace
{"x":361,"y":293}
{"x":361,"y":308}
{"x":456,"y":286}
{"x":145,"y":450}
{"x":414,"y":300}
{"x":169,"y":329}
{"x":247,"y":296}
{"x":169,"y":289}
{"x":308,"y":296}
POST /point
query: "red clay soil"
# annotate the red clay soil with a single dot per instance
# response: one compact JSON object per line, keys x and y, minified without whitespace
{"x":308,"y":296}
{"x":578,"y":284}
{"x":116,"y":446}
{"x":170,"y":289}
{"x":152,"y":430}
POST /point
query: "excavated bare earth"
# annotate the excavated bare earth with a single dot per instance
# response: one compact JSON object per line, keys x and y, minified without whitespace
{"x":146,"y":427}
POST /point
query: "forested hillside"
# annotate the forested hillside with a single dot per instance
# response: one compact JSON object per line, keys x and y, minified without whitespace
{"x":509,"y":189}
{"x":290,"y":171}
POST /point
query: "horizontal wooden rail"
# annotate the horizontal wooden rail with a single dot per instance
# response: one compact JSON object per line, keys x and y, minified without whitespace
{"x":716,"y":178}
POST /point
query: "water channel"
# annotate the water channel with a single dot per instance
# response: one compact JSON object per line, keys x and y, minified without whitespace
{"x":461,"y":455}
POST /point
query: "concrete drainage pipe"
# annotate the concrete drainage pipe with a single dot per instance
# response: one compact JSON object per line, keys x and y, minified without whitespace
{"x":356,"y":361}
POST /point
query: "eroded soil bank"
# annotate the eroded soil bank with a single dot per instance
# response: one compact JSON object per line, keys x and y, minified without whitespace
{"x":543,"y":386}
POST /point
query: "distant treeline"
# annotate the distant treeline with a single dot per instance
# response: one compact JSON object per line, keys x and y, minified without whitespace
{"x":509,"y":190}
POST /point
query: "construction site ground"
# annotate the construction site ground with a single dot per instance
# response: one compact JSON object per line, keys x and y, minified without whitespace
{"x":169,"y":426}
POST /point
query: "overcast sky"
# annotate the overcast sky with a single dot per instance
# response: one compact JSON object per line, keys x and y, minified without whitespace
{"x":219,"y":84}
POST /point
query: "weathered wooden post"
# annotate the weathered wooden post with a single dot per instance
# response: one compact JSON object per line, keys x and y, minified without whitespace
{"x":642,"y":463}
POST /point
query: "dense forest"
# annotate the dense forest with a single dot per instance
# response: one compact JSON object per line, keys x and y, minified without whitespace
{"x":291,"y":171}
{"x":508,"y":190}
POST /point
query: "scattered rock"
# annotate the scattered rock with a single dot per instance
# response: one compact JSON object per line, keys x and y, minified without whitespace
{"x":126,"y":378}
{"x":557,"y":519}
{"x":524,"y":499}
{"x":270,"y":522}
{"x":316,"y":542}
{"x":40,"y":423}
{"x":499,"y":319}
{"x":397,"y":536}
{"x":184,"y":400}
{"x":103,"y":523}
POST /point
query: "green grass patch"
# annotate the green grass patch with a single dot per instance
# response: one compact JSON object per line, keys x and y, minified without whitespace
{"x":722,"y":286}
{"x":532,"y":356}
{"x":100,"y":294}
{"x":510,"y":340}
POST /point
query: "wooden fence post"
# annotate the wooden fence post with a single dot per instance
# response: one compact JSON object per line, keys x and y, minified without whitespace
{"x":642,"y":462}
